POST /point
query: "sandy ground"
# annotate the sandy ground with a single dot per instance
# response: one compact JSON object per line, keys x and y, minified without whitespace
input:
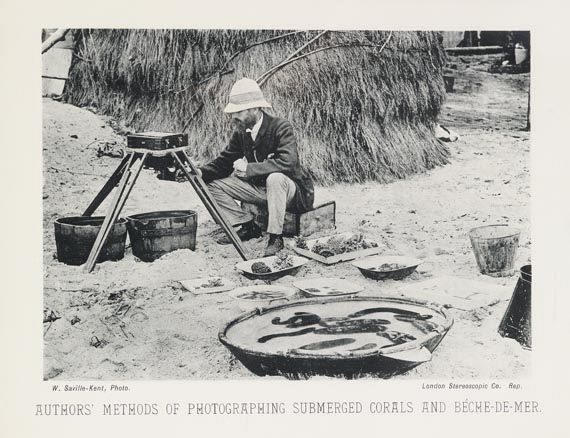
{"x":169,"y":333}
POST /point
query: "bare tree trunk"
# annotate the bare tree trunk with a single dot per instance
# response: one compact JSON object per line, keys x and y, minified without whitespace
{"x":57,"y":36}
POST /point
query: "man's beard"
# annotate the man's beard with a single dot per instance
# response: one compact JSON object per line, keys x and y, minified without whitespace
{"x":242,"y":126}
{"x":238,"y":126}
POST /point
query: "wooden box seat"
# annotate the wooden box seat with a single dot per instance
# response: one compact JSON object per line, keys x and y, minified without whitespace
{"x":321,"y":217}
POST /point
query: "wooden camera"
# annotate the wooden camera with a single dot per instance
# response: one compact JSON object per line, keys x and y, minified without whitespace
{"x":156,"y":141}
{"x":159,"y":141}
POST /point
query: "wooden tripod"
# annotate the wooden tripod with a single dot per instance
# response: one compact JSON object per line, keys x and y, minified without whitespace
{"x":124,"y":178}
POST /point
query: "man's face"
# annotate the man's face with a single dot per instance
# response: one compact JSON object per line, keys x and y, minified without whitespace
{"x":245,"y":119}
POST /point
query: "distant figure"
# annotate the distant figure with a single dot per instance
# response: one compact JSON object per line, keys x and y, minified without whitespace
{"x":263,"y":156}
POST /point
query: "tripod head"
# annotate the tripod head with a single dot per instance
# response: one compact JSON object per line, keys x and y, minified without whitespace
{"x":158,"y":141}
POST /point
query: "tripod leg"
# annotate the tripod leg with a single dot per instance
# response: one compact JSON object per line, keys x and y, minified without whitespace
{"x":208,"y":201}
{"x":127,"y":182}
{"x":108,"y":187}
{"x":95,"y":249}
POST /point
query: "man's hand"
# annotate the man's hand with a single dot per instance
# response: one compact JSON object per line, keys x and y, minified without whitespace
{"x":240,"y":165}
{"x":240,"y":168}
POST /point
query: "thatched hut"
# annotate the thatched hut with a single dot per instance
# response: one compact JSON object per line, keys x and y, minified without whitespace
{"x":364,"y":103}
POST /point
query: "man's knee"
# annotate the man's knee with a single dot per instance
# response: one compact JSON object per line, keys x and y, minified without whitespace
{"x":213,"y":185}
{"x":221,"y":184}
{"x":276,"y":179}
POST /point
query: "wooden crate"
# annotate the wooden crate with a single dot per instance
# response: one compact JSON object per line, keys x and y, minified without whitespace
{"x":321,"y":217}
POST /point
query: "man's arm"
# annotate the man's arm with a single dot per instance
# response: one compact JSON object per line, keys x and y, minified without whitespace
{"x":285,"y":157}
{"x":222,"y":165}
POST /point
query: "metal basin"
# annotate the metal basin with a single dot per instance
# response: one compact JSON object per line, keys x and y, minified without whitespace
{"x":372,"y":267}
{"x":348,"y":337}
{"x":245,"y":268}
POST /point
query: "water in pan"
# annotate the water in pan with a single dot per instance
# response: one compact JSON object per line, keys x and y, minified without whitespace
{"x":324,"y":286}
{"x":326,"y":290}
{"x":328,"y":329}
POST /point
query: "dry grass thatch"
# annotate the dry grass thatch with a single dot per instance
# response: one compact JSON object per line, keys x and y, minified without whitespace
{"x":363,"y":103}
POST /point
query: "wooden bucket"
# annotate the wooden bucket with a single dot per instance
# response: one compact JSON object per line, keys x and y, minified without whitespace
{"x":75,"y":236}
{"x":521,"y":55}
{"x":495,"y":248}
{"x":160,"y":232}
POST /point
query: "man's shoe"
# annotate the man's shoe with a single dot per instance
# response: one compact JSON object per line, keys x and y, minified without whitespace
{"x":274,"y":245}
{"x":248,"y":231}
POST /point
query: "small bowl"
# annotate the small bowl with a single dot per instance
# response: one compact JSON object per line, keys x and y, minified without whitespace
{"x":370,"y":267}
{"x":245,"y":268}
{"x":259,"y":296}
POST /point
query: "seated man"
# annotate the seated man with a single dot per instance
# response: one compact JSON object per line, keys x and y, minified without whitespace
{"x":262,"y":154}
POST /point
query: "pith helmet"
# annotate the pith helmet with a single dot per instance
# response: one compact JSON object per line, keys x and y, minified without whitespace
{"x":245,"y":94}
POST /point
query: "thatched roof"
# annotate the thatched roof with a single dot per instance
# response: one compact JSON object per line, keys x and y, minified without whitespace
{"x":363,"y":104}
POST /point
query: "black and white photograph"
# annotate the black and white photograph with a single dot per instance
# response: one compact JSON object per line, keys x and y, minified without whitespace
{"x":228,"y":204}
{"x":319,"y":218}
